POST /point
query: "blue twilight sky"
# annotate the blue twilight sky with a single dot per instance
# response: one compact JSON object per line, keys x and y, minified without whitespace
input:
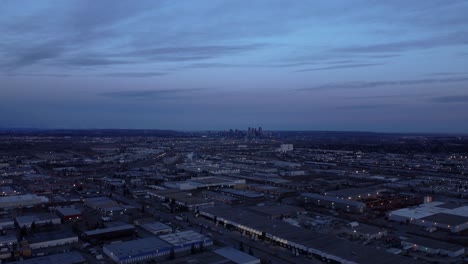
{"x":367,"y":65}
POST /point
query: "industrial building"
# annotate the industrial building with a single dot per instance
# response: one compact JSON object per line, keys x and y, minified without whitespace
{"x":365,"y":232}
{"x":183,"y":241}
{"x":152,"y":247}
{"x":448,"y":216}
{"x":51,"y":239}
{"x":237,"y":256}
{"x":105,"y":205}
{"x":69,"y":213}
{"x":181,"y":198}
{"x":204,"y":183}
{"x":357,"y":193}
{"x":277,"y":211}
{"x":25,"y":200}
{"x":6,"y":223}
{"x":333,"y":202}
{"x":432,"y":246}
{"x":243,"y":194}
{"x":137,"y":250}
{"x":154,"y":227}
{"x":110,"y":232}
{"x":38,"y":219}
{"x":8,"y":240}
{"x":61,"y":258}
{"x":298,"y":240}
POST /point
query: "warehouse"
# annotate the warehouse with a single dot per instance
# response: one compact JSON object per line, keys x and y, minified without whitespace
{"x":365,"y":232}
{"x":298,"y":240}
{"x":433,"y":246}
{"x":154,"y":227}
{"x":137,"y":250}
{"x":277,"y":211}
{"x":62,"y":258}
{"x":356,"y":193}
{"x":51,"y":239}
{"x":25,"y":200}
{"x":105,"y":205}
{"x":243,"y":194}
{"x":183,"y":241}
{"x":38,"y":219}
{"x":237,"y":256}
{"x":111,"y":232}
{"x":333,"y":202}
{"x":69,"y":213}
{"x":182,"y":198}
{"x":448,"y":216}
{"x":6,"y":223}
{"x":8,"y":240}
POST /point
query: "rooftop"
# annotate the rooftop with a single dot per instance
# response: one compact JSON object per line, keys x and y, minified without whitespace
{"x":333,"y":199}
{"x":68,"y":211}
{"x":62,"y":258}
{"x":448,"y":219}
{"x":47,"y":236}
{"x":183,"y":238}
{"x":109,"y":229}
{"x":137,"y":247}
{"x":236,"y":256}
{"x":431,"y":243}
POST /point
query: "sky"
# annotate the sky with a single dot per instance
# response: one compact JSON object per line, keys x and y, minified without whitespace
{"x":344,"y":65}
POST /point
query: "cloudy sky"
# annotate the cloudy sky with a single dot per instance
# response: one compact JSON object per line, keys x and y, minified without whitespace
{"x":366,"y":65}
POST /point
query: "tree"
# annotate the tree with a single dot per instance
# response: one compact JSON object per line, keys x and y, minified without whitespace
{"x":172,"y":254}
{"x":201,"y":247}
{"x":23,"y":232}
{"x":192,"y":249}
{"x":75,"y":227}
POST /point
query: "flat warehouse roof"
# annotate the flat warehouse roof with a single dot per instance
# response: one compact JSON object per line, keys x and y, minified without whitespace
{"x":137,"y":247}
{"x":448,"y":219}
{"x":182,"y":238}
{"x":236,"y":256}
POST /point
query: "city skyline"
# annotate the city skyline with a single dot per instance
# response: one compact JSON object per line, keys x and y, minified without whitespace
{"x":348,"y":65}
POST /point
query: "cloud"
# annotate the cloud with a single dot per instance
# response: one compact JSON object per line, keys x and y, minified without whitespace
{"x":452,"y":39}
{"x":134,"y":74}
{"x":186,"y":53}
{"x":450,"y":99}
{"x":446,"y":73}
{"x":151,"y":94}
{"x":344,"y":66}
{"x":367,"y":106}
{"x":389,"y":96}
{"x":375,"y":84}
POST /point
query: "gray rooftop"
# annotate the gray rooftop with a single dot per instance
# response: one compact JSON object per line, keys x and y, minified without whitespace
{"x":137,"y":247}
{"x":431,"y":243}
{"x":449,"y":219}
{"x":109,"y":229}
{"x":236,"y":256}
{"x":183,"y":238}
{"x":62,"y":258}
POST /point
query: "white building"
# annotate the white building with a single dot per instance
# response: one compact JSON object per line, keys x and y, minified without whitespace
{"x":286,"y":148}
{"x":448,"y":216}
